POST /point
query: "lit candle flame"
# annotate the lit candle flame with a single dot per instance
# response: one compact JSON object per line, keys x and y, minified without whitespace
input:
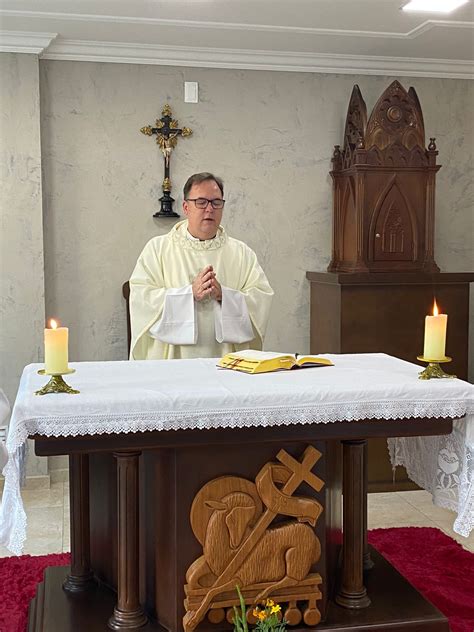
{"x":53,"y":324}
{"x":435,"y":308}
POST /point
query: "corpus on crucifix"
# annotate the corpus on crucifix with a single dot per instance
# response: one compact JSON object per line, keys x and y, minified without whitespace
{"x":167,"y":133}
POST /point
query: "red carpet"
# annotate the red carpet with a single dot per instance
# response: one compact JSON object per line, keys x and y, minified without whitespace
{"x":434,"y":563}
{"x":18,"y":579}
{"x":438,"y":567}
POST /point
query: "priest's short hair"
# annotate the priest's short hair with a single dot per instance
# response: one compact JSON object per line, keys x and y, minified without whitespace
{"x":197,"y":178}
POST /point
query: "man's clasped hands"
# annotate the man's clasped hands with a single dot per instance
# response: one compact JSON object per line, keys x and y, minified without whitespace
{"x":205,"y":285}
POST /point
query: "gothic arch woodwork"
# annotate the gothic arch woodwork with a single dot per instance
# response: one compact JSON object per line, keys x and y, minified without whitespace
{"x":356,"y":121}
{"x":396,"y":118}
{"x":393,"y":227}
{"x":349,"y":219}
{"x":386,"y":224}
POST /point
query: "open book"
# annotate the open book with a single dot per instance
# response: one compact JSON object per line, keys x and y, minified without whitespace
{"x":252,"y":361}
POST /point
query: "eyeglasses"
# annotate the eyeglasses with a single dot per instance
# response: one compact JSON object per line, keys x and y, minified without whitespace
{"x":203,"y":203}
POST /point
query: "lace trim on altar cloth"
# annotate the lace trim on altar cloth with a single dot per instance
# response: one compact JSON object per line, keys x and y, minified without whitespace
{"x":178,"y":235}
{"x":449,"y":477}
{"x":90,"y":423}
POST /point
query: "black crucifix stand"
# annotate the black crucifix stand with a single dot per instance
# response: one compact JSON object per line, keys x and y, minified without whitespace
{"x":167,"y":132}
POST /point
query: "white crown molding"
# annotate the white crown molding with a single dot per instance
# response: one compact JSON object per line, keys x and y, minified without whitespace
{"x":431,"y":24}
{"x":113,"y":52}
{"x":235,"y":26}
{"x":25,"y":41}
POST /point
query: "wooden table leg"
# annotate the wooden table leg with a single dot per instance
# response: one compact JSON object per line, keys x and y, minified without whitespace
{"x":81,"y":576}
{"x":368,"y":563}
{"x":128,"y":613}
{"x":352,"y":592}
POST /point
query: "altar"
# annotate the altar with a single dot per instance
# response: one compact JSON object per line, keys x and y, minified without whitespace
{"x":187,"y":479}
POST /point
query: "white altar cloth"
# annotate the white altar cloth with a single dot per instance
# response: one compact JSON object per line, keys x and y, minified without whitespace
{"x":138,"y":396}
{"x":444,"y":466}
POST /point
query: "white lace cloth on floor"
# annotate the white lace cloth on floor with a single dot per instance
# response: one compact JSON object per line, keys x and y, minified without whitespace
{"x":122,"y":397}
{"x":444,"y":466}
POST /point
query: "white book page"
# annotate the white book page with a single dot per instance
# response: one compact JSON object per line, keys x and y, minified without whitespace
{"x":254,"y":354}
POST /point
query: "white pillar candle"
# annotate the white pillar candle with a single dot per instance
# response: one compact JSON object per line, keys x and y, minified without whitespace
{"x":435,"y":335}
{"x":56,"y":348}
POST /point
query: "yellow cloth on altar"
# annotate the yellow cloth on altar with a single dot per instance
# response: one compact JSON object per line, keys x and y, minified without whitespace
{"x":172,"y":261}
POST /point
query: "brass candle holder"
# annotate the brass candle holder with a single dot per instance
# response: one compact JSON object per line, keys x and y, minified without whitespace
{"x":433,"y":370}
{"x":56,"y":384}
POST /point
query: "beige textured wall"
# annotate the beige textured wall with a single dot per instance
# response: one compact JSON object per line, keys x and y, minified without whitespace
{"x":21,"y":225}
{"x":268,"y":134}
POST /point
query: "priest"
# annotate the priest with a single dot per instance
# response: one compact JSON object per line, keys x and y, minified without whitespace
{"x":196,"y":292}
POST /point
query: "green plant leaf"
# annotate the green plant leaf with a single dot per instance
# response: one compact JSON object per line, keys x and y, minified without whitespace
{"x":237,"y":621}
{"x":243,"y":610}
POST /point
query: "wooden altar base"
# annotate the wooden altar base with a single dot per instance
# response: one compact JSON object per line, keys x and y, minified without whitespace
{"x":54,"y":610}
{"x":396,"y":606}
{"x":131,"y":528}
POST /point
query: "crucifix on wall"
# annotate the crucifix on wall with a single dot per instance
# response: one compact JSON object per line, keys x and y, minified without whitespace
{"x":167,"y":133}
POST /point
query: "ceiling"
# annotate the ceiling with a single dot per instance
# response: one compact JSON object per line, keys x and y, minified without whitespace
{"x":347,"y":36}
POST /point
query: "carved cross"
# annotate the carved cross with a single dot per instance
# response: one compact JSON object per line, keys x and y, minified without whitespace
{"x":301,"y":470}
{"x":167,"y":132}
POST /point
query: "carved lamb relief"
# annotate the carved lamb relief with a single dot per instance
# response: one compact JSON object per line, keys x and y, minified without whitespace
{"x":231,"y":517}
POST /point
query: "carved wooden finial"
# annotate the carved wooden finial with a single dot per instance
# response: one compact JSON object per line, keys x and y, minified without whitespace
{"x":336,"y":158}
{"x":356,"y":122}
{"x":432,"y":145}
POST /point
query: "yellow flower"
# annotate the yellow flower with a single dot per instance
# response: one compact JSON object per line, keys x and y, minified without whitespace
{"x":256,"y":612}
{"x":270,"y":603}
{"x":262,"y":615}
{"x":275,"y":609}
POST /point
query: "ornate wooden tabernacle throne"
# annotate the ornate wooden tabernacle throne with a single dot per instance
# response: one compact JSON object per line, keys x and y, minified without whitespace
{"x":384,"y":187}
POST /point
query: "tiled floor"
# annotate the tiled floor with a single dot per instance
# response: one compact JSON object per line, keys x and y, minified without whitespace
{"x":48,"y":517}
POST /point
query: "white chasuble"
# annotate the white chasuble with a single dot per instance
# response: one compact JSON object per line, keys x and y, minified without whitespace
{"x":167,"y":322}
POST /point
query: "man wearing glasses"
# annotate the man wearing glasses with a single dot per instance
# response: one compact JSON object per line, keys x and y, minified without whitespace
{"x":196,"y":292}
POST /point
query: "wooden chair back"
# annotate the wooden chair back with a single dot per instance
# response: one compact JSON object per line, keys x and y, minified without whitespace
{"x":126,"y":296}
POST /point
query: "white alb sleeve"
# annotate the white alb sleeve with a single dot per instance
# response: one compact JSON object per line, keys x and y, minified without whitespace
{"x":177,"y":325}
{"x":231,"y":318}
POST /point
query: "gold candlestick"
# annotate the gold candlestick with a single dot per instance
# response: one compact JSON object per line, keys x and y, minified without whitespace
{"x":433,"y":369}
{"x":56,"y":384}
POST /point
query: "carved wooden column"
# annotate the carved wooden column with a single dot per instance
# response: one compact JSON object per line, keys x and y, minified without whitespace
{"x":430,"y":204}
{"x":368,"y":563}
{"x":128,"y":613}
{"x":352,"y":592}
{"x":81,"y":576}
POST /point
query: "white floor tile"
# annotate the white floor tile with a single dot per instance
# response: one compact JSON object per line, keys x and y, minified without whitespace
{"x":52,"y":497}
